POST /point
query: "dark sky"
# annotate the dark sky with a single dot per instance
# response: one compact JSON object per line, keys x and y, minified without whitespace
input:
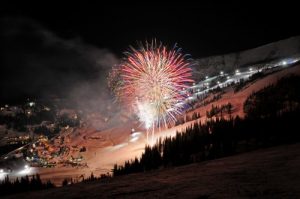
{"x":68,"y":49}
{"x":201,"y":29}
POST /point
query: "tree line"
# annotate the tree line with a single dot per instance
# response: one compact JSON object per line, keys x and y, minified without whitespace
{"x":32,"y":183}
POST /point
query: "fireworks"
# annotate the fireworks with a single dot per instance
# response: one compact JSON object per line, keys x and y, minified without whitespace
{"x":115,"y":82}
{"x":150,"y":80}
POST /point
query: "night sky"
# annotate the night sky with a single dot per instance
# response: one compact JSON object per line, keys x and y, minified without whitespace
{"x":48,"y":48}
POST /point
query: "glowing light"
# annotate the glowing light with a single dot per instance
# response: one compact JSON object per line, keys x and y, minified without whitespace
{"x":27,"y":170}
{"x":2,"y":175}
{"x":134,"y":139}
{"x":31,"y":104}
{"x":146,"y":114}
{"x":136,"y":134}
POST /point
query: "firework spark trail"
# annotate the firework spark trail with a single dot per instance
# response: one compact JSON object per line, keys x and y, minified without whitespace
{"x":150,"y":80}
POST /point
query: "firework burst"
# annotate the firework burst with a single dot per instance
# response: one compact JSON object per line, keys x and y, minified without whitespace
{"x":151,"y":79}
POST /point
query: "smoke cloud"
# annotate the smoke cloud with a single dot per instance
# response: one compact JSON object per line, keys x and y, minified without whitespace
{"x":36,"y":62}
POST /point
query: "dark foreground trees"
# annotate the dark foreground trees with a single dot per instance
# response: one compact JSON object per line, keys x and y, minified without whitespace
{"x":23,"y":184}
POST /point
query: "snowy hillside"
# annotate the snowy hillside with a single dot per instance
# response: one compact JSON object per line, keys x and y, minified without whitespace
{"x":286,"y":48}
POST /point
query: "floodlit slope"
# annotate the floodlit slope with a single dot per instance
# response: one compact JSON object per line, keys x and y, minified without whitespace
{"x":238,"y":99}
{"x":265,"y":173}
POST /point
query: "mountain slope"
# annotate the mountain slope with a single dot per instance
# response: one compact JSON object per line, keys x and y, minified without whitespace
{"x":266,"y":173}
{"x":281,"y":49}
{"x":115,"y":147}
